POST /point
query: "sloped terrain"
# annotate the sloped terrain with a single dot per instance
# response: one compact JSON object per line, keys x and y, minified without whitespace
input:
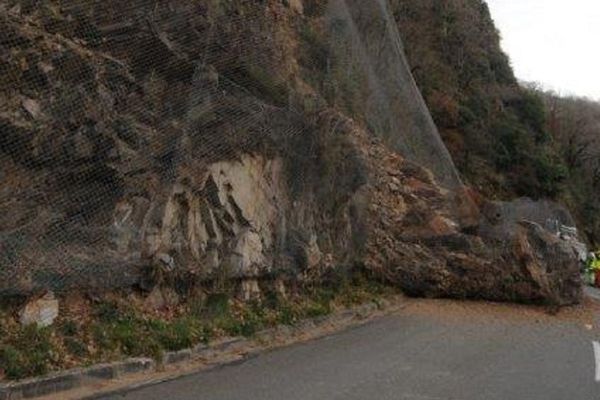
{"x":198,"y":141}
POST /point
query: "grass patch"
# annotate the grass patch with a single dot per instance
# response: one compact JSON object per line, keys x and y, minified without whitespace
{"x":29,"y":351}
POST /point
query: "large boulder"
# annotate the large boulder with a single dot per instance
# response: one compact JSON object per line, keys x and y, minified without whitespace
{"x":551,"y":263}
{"x":437,"y":243}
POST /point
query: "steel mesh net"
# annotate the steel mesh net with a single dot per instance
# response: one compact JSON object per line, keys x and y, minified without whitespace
{"x":143,"y":132}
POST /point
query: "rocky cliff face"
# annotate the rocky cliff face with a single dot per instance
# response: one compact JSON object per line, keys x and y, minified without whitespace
{"x":208,"y":140}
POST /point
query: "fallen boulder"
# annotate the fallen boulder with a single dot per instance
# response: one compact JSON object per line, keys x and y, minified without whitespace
{"x":432,"y":242}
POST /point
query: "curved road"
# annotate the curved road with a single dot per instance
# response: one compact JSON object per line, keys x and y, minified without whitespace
{"x":418,"y":354}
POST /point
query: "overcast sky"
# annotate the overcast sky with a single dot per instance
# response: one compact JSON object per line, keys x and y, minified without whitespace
{"x":553,"y":42}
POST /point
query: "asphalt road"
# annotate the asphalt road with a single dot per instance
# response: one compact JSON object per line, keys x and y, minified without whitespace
{"x":412,"y":356}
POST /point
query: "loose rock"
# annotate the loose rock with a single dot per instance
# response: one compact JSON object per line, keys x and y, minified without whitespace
{"x":41,"y":311}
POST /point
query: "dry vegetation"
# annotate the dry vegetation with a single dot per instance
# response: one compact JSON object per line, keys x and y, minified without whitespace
{"x":574,"y":124}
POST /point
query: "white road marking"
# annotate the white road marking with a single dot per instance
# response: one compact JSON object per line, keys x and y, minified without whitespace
{"x":597,"y":357}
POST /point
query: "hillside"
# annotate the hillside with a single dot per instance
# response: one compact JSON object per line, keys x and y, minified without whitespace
{"x":507,"y":140}
{"x":144,"y":140}
{"x":574,"y":124}
{"x":494,"y":128}
{"x":185,"y":157}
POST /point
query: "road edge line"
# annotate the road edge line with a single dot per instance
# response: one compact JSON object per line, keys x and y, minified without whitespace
{"x":596,"y":346}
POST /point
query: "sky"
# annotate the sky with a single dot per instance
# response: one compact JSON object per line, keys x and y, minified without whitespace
{"x":552,"y":42}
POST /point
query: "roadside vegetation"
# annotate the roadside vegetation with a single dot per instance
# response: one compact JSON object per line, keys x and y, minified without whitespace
{"x":116,"y":326}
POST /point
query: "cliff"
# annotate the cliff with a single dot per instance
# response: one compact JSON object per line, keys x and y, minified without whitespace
{"x":242,"y":140}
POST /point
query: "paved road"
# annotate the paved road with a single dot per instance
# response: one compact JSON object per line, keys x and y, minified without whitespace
{"x":411,"y":356}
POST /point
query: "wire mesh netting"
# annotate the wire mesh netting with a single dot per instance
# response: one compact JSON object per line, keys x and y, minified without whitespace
{"x":182,"y":133}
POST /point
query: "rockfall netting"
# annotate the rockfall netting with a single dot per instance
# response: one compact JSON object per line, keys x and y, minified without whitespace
{"x":366,"y":40}
{"x":185,"y":134}
{"x":187,"y":142}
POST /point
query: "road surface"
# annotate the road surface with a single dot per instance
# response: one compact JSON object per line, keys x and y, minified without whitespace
{"x":418,"y":354}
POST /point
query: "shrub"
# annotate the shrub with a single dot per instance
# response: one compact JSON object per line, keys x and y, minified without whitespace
{"x":551,"y":173}
{"x":31,"y":353}
{"x":13,"y":363}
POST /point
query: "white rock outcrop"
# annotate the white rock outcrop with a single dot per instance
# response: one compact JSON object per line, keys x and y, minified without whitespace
{"x":41,"y":311}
